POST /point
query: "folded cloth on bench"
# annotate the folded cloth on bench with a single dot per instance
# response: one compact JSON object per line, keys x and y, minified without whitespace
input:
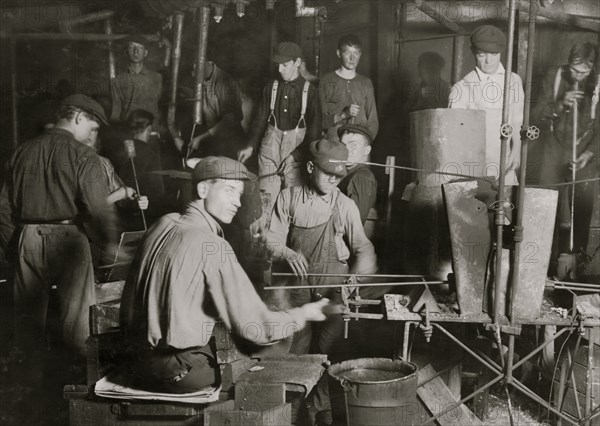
{"x":117,"y":385}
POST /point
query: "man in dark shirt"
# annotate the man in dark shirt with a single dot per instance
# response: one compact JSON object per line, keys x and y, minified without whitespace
{"x":359,"y":184}
{"x":289,"y":115}
{"x":54,"y":181}
{"x":138,"y":87}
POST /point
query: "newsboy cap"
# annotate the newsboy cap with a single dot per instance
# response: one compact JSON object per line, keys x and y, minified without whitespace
{"x":86,"y":104}
{"x":136,"y":38}
{"x":488,"y":38}
{"x":355,"y":128}
{"x":286,"y":51}
{"x":220,"y":168}
{"x":323,"y":150}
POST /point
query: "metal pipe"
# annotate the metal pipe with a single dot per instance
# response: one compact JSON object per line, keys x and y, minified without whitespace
{"x":71,"y":37}
{"x":541,"y":347}
{"x":573,"y":169}
{"x":317,"y":44}
{"x":466,"y":348}
{"x":112,"y":70}
{"x":394,"y":284}
{"x":13,"y":92}
{"x":556,"y":15}
{"x":66,"y":24}
{"x":438,"y":17}
{"x":168,"y":47}
{"x":290,"y":274}
{"x":177,"y":30}
{"x":201,"y":63}
{"x":457,"y":59}
{"x":589,"y":376}
{"x":443,"y":36}
{"x":521,"y":192}
{"x":499,"y":216}
{"x":569,"y":284}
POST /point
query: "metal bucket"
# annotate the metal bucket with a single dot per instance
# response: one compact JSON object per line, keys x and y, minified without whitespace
{"x":378,"y":391}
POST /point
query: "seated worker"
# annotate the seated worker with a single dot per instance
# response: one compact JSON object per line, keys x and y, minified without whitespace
{"x":359,"y":184}
{"x":315,"y":229}
{"x":185,"y":278}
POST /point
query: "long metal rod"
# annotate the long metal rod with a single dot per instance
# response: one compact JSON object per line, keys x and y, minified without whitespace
{"x":541,"y":347}
{"x":13,"y":92}
{"x":394,"y":284}
{"x":589,"y":376}
{"x":438,"y":37}
{"x":137,"y":188}
{"x":573,"y":169}
{"x":521,"y":191}
{"x":290,"y":274}
{"x":569,"y":284}
{"x":500,"y":215}
{"x":466,"y":348}
{"x":201,"y":62}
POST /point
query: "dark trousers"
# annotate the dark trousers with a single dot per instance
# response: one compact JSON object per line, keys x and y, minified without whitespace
{"x":176,"y":371}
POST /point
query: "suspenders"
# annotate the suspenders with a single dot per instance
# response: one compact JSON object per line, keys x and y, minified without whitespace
{"x":302,"y":109}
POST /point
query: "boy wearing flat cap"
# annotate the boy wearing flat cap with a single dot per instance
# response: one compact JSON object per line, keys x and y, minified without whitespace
{"x":289,"y":115}
{"x":483,"y":89}
{"x":185,"y":278}
{"x":316,"y":229}
{"x":359,"y":184}
{"x":53,"y":186}
{"x":138,"y":87}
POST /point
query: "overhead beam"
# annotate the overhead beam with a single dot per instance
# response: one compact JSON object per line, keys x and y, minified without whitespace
{"x":70,"y":37}
{"x":559,"y":16}
{"x":438,"y":17}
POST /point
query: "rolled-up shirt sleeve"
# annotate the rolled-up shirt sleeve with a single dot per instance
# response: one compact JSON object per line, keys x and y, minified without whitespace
{"x":279,"y":228}
{"x":364,"y":259}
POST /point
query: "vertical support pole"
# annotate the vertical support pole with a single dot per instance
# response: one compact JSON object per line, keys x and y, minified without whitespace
{"x":390,"y":162}
{"x":201,"y":62}
{"x":457,"y":58}
{"x":177,"y":30}
{"x":499,"y":216}
{"x":112,"y":70}
{"x":317,"y":44}
{"x":13,"y":91}
{"x":521,"y":189}
{"x":589,"y":376}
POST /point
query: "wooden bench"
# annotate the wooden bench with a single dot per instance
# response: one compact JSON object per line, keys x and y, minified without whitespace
{"x":270,"y":394}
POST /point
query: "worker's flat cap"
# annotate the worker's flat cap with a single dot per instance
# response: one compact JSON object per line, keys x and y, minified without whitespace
{"x":488,"y":38}
{"x":286,"y":51}
{"x":220,"y":168}
{"x":356,"y":128}
{"x":86,"y":104}
{"x":323,"y":150}
{"x":136,"y":38}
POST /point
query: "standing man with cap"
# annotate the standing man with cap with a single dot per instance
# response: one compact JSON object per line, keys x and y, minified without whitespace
{"x":138,"y":87}
{"x":348,"y":97}
{"x":359,"y":184}
{"x":483,"y":88}
{"x":316,"y":229}
{"x":54,"y":184}
{"x":185,"y":277}
{"x":289,"y":114}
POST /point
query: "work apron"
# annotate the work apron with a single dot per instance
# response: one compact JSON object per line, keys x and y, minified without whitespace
{"x":318,"y":245}
{"x":276,"y":165}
